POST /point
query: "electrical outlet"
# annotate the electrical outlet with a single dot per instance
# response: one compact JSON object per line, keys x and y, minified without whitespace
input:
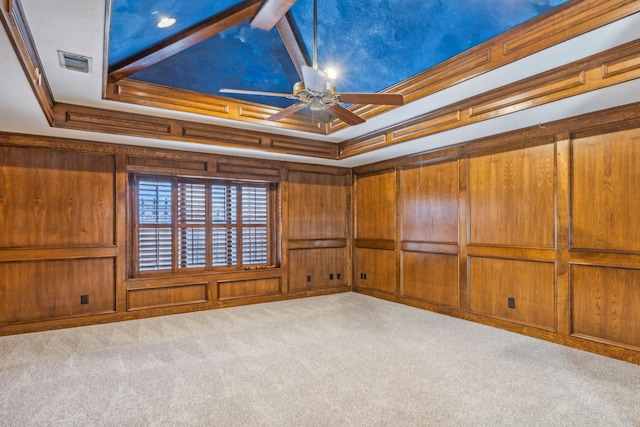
{"x":308,"y":278}
{"x":330,"y":276}
{"x":339,"y":276}
{"x":84,"y":299}
{"x":511,"y":302}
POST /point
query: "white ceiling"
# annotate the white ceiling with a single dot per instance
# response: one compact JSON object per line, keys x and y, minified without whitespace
{"x":77,"y":26}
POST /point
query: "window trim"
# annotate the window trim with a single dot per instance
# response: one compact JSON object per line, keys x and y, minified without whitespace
{"x":272,"y":225}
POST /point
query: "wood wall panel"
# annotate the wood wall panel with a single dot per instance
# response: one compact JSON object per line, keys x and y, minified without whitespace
{"x":312,"y":268}
{"x":430,"y":277}
{"x":168,"y":296}
{"x":51,"y":198}
{"x":375,"y":269}
{"x":511,"y":197}
{"x":531,"y":283}
{"x":317,"y":206}
{"x":605,"y":304}
{"x":430,"y":202}
{"x":605,"y":191}
{"x":43,"y":290}
{"x":236,"y":289}
{"x":375,"y":206}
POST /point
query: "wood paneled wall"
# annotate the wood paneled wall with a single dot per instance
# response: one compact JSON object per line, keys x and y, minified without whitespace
{"x":65,"y":240}
{"x":318,"y":231}
{"x":534,"y":231}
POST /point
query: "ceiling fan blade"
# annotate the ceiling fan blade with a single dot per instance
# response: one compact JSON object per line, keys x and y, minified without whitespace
{"x":314,"y":79}
{"x":256,"y":92}
{"x":270,"y":13}
{"x":287,"y":112}
{"x":372,"y":98}
{"x":345,"y":115}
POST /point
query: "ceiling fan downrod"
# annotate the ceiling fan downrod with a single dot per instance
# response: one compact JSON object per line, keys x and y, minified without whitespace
{"x":315,"y":34}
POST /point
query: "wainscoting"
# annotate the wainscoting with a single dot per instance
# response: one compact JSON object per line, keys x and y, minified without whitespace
{"x":534,"y":231}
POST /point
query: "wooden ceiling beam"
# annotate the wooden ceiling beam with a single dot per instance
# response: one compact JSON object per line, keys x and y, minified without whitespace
{"x":184,"y":40}
{"x":292,"y":43}
{"x":271,"y":13}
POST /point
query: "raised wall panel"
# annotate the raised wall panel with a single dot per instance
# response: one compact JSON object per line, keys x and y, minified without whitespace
{"x":605,"y":191}
{"x":51,"y":198}
{"x":246,"y":288}
{"x":42,"y":290}
{"x":317,"y":206}
{"x":168,"y":296}
{"x":375,"y":269}
{"x":375,"y":206}
{"x":492,"y":281}
{"x":511,"y":196}
{"x":311,"y":268}
{"x":430,"y":277}
{"x":606,"y":303}
{"x":430,"y":202}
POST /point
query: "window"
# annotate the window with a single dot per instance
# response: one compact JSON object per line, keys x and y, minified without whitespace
{"x":188,"y":224}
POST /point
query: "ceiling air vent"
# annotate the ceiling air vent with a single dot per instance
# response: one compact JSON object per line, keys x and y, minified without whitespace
{"x":74,"y":62}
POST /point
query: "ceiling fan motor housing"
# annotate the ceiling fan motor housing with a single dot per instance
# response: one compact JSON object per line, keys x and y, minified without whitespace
{"x":316,"y":100}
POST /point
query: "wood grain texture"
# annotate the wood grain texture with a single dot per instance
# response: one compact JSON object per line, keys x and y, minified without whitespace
{"x":511,"y":197}
{"x":375,"y":269}
{"x":616,"y":65}
{"x":43,"y":290}
{"x":317,"y":268}
{"x":192,"y":293}
{"x":51,"y":198}
{"x":430,"y":277}
{"x":531,"y":283}
{"x":317,"y":206}
{"x":429,"y":195}
{"x":236,"y":289}
{"x":605,"y":304}
{"x":605,"y":192}
{"x":375,"y":201}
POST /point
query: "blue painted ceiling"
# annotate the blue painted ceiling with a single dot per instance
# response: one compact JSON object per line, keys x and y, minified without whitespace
{"x":372,"y":44}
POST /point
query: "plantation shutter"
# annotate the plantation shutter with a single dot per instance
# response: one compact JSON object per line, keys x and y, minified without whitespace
{"x":192,"y":217}
{"x":154,"y":218}
{"x":254,"y":225}
{"x":224,"y":213}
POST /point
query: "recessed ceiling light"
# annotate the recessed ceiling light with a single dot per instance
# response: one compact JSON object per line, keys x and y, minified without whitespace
{"x":166,"y":22}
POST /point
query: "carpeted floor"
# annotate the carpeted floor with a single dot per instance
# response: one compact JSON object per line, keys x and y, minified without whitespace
{"x":337,"y":360}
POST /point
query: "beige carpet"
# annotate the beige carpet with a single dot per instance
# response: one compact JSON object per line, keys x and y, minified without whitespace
{"x":337,"y":360}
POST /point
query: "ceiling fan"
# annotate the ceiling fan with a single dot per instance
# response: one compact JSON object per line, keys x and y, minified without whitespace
{"x":316,"y":89}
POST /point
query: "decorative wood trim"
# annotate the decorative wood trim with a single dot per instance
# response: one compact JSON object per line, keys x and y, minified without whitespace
{"x":562,"y":23}
{"x":567,"y":23}
{"x":429,"y":247}
{"x":553,"y":89}
{"x":271,"y":286}
{"x":621,"y":63}
{"x":119,"y":123}
{"x":558,"y":25}
{"x":173,"y":296}
{"x":314,"y":244}
{"x":154,"y":162}
{"x":374,"y":244}
{"x":35,"y":254}
{"x":154,"y":95}
{"x":15,"y":24}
